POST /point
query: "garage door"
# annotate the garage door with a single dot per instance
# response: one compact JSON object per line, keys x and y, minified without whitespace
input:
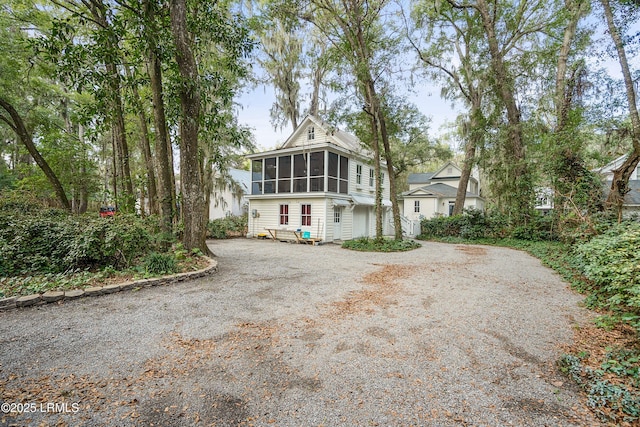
{"x":360,"y":221}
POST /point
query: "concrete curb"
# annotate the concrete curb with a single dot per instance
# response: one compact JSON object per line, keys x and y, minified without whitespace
{"x":59,"y":296}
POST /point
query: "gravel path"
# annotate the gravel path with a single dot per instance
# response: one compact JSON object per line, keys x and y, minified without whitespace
{"x":292,"y":335}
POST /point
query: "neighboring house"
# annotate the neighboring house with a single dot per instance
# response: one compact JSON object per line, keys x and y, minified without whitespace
{"x":632,"y":198}
{"x":319,"y":182}
{"x":433,"y":194}
{"x":231,"y":199}
{"x":544,"y":200}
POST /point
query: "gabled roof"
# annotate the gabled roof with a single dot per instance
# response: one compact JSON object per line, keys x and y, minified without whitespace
{"x":446,"y":165}
{"x":429,"y":177}
{"x":420,"y":178}
{"x":334,"y":135}
{"x":435,"y":190}
{"x":611,"y":166}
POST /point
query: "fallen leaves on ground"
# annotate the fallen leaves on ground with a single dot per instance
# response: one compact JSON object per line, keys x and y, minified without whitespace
{"x":593,"y":344}
{"x":381,"y":285}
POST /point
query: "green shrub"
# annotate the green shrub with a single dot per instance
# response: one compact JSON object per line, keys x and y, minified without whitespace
{"x":158,"y":263}
{"x":50,"y":241}
{"x":612,"y":262}
{"x":223,"y":228}
{"x":365,"y":244}
{"x":475,"y":224}
{"x":471,"y":224}
{"x":612,"y":402}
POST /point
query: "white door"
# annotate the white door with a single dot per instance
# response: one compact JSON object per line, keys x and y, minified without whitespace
{"x":337,"y":223}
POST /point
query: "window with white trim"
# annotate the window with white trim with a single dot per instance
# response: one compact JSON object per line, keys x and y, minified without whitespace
{"x":372,"y":175}
{"x":416,"y":206}
{"x":337,"y":215}
{"x":311,"y":133}
{"x":284,"y":214}
{"x":306,"y":215}
{"x":358,"y":174}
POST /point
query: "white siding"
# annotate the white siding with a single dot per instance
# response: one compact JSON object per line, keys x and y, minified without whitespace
{"x":233,"y":206}
{"x":347,"y":224}
{"x":364,"y":187}
{"x":450,"y":182}
{"x":269,"y":215}
{"x":302,"y":140}
{"x":445,"y":171}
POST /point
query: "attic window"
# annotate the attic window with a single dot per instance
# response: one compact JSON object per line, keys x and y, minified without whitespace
{"x":311,"y":133}
{"x":449,"y":170}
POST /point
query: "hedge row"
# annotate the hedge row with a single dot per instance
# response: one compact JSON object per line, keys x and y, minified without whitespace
{"x":36,"y":241}
{"x":476,"y":224}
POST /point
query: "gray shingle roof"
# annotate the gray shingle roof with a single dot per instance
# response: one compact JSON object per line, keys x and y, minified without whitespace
{"x":420,"y":178}
{"x":438,"y":190}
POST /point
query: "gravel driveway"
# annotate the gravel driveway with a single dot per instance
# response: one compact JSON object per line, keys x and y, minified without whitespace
{"x":293,"y":335}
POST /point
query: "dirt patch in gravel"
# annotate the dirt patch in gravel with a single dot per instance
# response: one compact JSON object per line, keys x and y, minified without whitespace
{"x":290,"y":335}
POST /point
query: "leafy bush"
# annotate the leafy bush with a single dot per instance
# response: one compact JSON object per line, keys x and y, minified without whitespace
{"x":475,"y":224}
{"x":471,"y":224}
{"x":365,"y":244}
{"x":540,"y":227}
{"x":51,"y":241}
{"x":612,"y":262}
{"x":612,"y":402}
{"x":159,"y":263}
{"x":223,"y":228}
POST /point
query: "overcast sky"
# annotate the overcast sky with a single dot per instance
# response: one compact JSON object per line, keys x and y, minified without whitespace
{"x":256,"y":103}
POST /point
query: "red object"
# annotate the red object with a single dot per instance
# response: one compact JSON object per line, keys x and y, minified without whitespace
{"x":107,"y":211}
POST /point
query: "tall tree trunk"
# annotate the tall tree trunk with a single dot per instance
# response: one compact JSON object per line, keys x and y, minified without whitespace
{"x":562,"y":100}
{"x":84,"y":191}
{"x":193,"y":201}
{"x":382,"y":123}
{"x":145,"y":148}
{"x":120,"y":137}
{"x":99,"y":11}
{"x":474,"y":138}
{"x":619,"y":185}
{"x":515,"y":147}
{"x":379,"y":128}
{"x":115,"y":174}
{"x":164,"y":158}
{"x":375,"y":143}
{"x":318,"y":77}
{"x":16,"y":123}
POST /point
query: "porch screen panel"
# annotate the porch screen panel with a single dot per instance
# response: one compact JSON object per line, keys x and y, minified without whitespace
{"x":256,"y":177}
{"x":284,"y":174}
{"x":344,"y":175}
{"x":316,"y":169}
{"x":332,"y":171}
{"x":270,"y":175}
{"x":299,"y":173}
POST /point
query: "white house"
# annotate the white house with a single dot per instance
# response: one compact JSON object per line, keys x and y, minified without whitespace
{"x":632,"y":198}
{"x":433,"y":194}
{"x":544,"y":200}
{"x":231,"y":199}
{"x":319,"y":183}
{"x":607,"y":170}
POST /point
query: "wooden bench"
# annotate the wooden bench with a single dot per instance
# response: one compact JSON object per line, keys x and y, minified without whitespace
{"x":284,"y":235}
{"x":287,"y":235}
